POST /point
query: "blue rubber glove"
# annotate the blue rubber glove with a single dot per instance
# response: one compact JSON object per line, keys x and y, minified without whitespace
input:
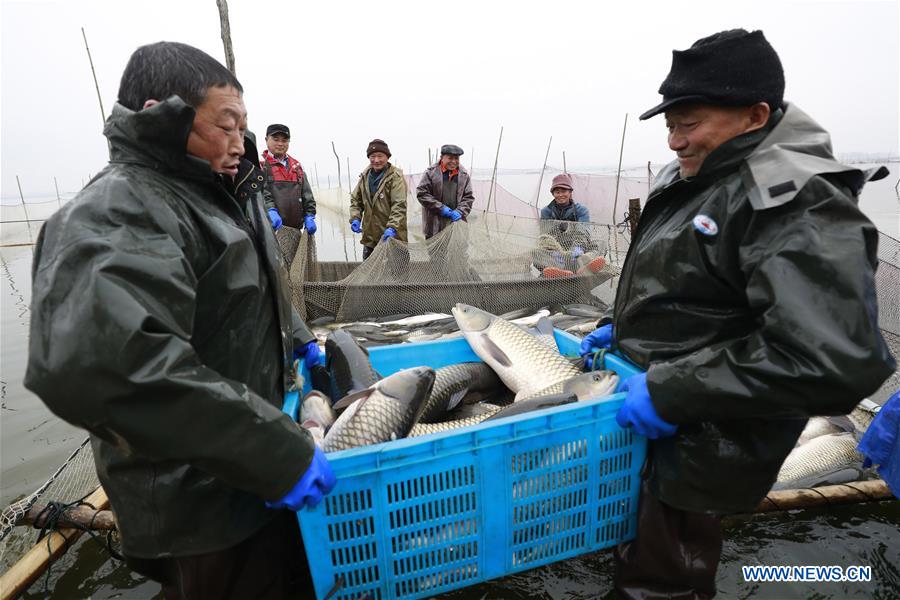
{"x":355,"y":226}
{"x":316,"y":483}
{"x":455,"y":215}
{"x":310,"y":222}
{"x":577,"y":251}
{"x":389,"y":233}
{"x":639,"y":412}
{"x":275,"y":218}
{"x":599,"y":339}
{"x":309,"y":352}
{"x":446,"y":212}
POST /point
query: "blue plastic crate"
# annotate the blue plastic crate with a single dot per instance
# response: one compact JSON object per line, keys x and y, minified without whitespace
{"x":418,"y":517}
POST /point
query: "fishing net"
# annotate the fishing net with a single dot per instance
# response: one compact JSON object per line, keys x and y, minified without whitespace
{"x":887,"y":285}
{"x":495,"y":261}
{"x":74,"y":479}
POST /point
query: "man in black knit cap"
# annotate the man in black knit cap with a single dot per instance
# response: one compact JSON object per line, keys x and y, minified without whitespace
{"x":747,"y":296}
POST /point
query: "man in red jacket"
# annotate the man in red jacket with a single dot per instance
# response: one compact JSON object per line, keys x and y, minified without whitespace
{"x":288,"y":195}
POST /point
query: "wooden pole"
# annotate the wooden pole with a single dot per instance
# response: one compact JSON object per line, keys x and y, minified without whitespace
{"x":429,"y":156}
{"x":537,"y":198}
{"x":22,"y":198}
{"x":94,"y":73}
{"x":22,"y":574}
{"x":491,"y":193}
{"x":565,"y":170}
{"x":84,"y":516}
{"x":56,"y":185}
{"x":845,"y":493}
{"x":338,"y":159}
{"x":225,"y":27}
{"x":619,"y":170}
{"x":634,"y":213}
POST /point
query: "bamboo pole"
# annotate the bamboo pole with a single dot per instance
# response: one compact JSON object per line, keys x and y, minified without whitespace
{"x":56,"y":185}
{"x":83,"y":516}
{"x":338,"y":159}
{"x":316,"y":169}
{"x":22,"y":198}
{"x":94,"y":73}
{"x":619,"y":170}
{"x":537,"y":198}
{"x":21,"y":575}
{"x":225,"y":27}
{"x":472,"y":163}
{"x":349,"y":185}
{"x":429,"y":156}
{"x":491,"y":192}
{"x":649,"y":179}
{"x":565,"y":170}
{"x":845,"y":493}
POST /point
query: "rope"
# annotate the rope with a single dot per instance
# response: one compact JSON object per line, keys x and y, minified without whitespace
{"x":54,"y":513}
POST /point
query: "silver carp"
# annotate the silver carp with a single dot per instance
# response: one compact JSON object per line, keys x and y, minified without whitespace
{"x":523,"y":363}
{"x":825,"y":460}
{"x":452,"y":383}
{"x":426,"y":428}
{"x":383,"y":412}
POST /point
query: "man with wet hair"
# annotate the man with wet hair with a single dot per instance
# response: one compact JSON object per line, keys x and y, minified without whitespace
{"x":747,"y":295}
{"x":149,"y":287}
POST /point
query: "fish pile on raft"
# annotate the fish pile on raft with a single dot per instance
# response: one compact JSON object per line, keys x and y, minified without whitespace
{"x":522,"y":371}
{"x":578,"y":319}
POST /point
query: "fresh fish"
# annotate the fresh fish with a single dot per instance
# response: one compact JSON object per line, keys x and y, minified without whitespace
{"x":543,"y":332}
{"x":320,"y":380}
{"x":321,"y":321}
{"x":423,"y":336}
{"x":536,"y":403}
{"x":524,"y":364}
{"x":819,"y":426}
{"x":316,"y":430}
{"x":427,"y":318}
{"x":316,"y":407}
{"x":473,"y":410}
{"x":426,"y":428}
{"x":827,"y":459}
{"x":383,"y":412}
{"x":452,"y":383}
{"x":348,"y":365}
{"x":390,"y":319}
{"x":519,"y":313}
{"x":529,"y":321}
{"x":582,"y":310}
{"x":595,"y":384}
{"x":582,"y":328}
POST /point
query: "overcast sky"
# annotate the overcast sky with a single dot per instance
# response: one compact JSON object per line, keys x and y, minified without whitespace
{"x":419,"y":74}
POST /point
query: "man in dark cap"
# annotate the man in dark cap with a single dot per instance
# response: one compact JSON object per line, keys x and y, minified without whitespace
{"x":378,"y":202}
{"x":288,"y":193}
{"x":445,"y":192}
{"x":747,"y":295}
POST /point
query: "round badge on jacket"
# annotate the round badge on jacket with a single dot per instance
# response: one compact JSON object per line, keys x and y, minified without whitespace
{"x":706,"y":225}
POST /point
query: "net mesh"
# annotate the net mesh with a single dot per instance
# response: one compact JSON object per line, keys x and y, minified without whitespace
{"x":74,"y":479}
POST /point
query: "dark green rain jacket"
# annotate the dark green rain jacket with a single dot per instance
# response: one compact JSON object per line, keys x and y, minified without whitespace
{"x":159,"y":324}
{"x":749,"y":293}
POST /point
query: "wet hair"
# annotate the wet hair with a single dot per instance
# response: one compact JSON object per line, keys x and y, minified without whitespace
{"x":158,"y":71}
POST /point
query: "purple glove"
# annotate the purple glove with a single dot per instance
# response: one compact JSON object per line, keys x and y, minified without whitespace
{"x":309,"y":352}
{"x":389,"y":233}
{"x":315,"y":484}
{"x":310,"y":222}
{"x":355,"y":226}
{"x":639,"y":412}
{"x":599,"y":339}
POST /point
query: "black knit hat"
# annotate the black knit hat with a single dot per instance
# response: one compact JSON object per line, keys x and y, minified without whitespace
{"x":729,"y":68}
{"x":377,"y":145}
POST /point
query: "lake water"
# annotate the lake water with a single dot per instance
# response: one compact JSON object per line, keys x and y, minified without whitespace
{"x":33,"y":443}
